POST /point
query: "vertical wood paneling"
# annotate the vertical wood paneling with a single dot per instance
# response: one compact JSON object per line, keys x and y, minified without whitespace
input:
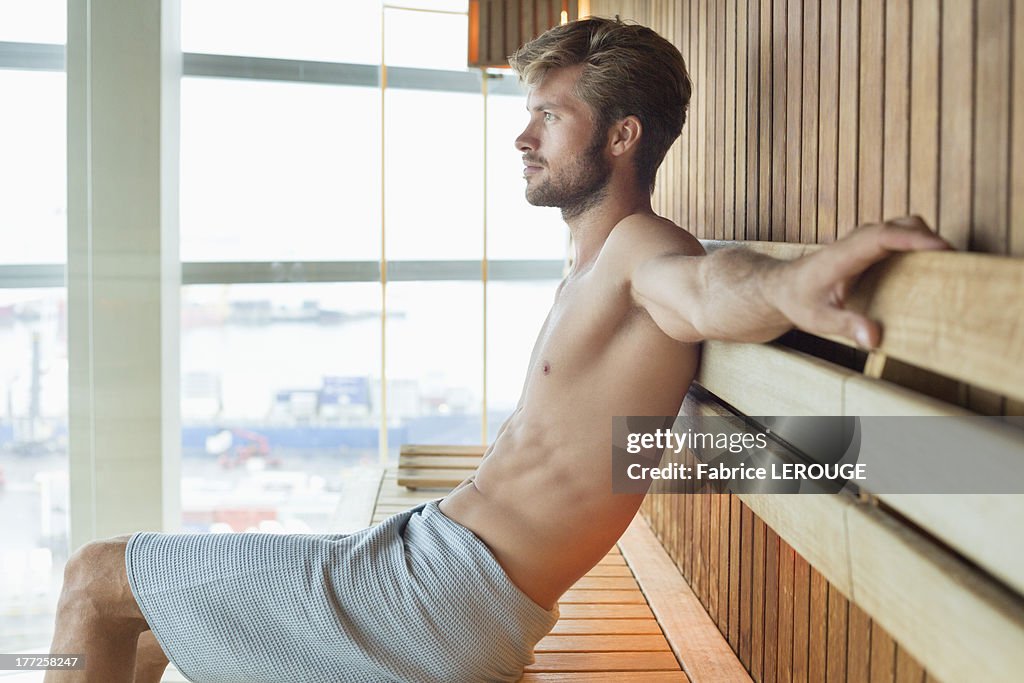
{"x":757,"y":587}
{"x":784,"y":645}
{"x":734,"y":572}
{"x":992,"y":128}
{"x":717,"y":127}
{"x":753,"y":122}
{"x":703,"y":99}
{"x":871,"y":135}
{"x":779,"y":105}
{"x":801,"y":618}
{"x":897,"y":108}
{"x":742,"y":104}
{"x":838,"y":622}
{"x":858,"y":645}
{"x":818,"y":627}
{"x":924,"y":110}
{"x":696,"y":191}
{"x":794,"y":119}
{"x":809,"y":126}
{"x":724,"y":529}
{"x":729,"y":114}
{"x":746,"y":583}
{"x":771,"y":605}
{"x":713,"y":558}
{"x":956,"y":122}
{"x":849,"y":82}
{"x":764,"y":226}
{"x":1016,"y":239}
{"x":908,"y":669}
{"x":828,"y":125}
{"x":883,"y":656}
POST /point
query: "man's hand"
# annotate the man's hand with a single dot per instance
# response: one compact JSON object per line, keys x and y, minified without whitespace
{"x":811,"y":291}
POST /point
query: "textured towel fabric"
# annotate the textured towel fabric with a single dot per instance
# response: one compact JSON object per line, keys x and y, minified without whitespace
{"x":416,"y":598}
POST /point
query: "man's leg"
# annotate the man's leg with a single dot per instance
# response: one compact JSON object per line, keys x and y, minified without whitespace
{"x":97,"y":615}
{"x":150,"y":660}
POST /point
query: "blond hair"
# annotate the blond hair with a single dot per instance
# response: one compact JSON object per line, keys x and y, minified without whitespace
{"x":629,"y":70}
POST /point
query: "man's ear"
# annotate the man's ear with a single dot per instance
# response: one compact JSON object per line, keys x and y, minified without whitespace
{"x":625,"y":134}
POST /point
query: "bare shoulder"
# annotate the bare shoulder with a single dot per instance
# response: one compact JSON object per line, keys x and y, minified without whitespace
{"x":640,"y":237}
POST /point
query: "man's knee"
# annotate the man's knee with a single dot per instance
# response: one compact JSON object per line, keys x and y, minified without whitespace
{"x":96,"y":583}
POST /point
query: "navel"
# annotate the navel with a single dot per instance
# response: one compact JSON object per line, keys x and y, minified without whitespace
{"x":547,"y":368}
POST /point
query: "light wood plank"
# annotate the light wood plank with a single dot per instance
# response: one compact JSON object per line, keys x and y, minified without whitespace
{"x":809,"y":125}
{"x":605,"y":583}
{"x":778,"y":119}
{"x":602,"y":611}
{"x":694,"y":638}
{"x":617,"y":677}
{"x":601,"y":597}
{"x":604,"y":661}
{"x":602,"y":643}
{"x":606,"y":627}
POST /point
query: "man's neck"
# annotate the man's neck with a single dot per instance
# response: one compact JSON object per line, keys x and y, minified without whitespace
{"x":591,"y":228}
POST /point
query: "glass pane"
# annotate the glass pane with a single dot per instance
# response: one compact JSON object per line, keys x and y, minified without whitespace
{"x":280,"y":404}
{"x":434,"y":175}
{"x":33,"y":464}
{"x":319,"y":30}
{"x":434,"y":362}
{"x":515,"y":229}
{"x":515,"y":313}
{"x":279,"y":171}
{"x":33,"y":167}
{"x":424,"y":40}
{"x":33,"y":21}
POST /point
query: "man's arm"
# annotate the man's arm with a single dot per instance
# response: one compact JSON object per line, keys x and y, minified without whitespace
{"x":738,"y":295}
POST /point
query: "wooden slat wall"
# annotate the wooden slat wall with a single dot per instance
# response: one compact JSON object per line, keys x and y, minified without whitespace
{"x":807,"y":119}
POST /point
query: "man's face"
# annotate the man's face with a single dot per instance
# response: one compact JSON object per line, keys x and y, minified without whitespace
{"x":563,"y":153}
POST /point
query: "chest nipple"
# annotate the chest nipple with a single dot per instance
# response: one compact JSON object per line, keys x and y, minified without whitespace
{"x":546,"y":368}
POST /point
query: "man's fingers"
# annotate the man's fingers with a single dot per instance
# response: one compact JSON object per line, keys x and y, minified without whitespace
{"x":864,"y":331}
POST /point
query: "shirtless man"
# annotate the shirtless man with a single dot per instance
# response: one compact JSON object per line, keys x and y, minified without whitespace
{"x":606,"y":101}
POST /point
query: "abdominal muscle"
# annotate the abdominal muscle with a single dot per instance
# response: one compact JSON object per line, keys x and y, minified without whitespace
{"x":547,"y":514}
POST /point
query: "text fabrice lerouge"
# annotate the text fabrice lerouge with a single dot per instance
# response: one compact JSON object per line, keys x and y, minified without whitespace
{"x":776,"y":471}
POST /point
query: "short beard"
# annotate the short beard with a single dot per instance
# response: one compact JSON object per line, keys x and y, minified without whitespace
{"x":585,"y":188}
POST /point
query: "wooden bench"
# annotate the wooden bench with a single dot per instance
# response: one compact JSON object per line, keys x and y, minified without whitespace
{"x":436,"y":467}
{"x":939,"y":578}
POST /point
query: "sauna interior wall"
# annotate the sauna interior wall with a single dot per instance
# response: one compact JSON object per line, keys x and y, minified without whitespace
{"x":808,"y":119}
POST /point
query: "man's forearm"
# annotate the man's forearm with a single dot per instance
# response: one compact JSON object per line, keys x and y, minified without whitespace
{"x":738,"y":296}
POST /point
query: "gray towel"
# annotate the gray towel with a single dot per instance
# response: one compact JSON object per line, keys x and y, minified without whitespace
{"x":417,"y":598}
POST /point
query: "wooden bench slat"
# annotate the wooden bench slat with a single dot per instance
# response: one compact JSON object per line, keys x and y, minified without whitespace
{"x":424,"y":478}
{"x":604,"y":661}
{"x":955,"y":313}
{"x":603,"y":643}
{"x":610,"y":570}
{"x":603,"y":597}
{"x":591,"y":611}
{"x":601,"y":677}
{"x":440,"y":450}
{"x":606,"y":627}
{"x":439,"y":462}
{"x":606,"y":582}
